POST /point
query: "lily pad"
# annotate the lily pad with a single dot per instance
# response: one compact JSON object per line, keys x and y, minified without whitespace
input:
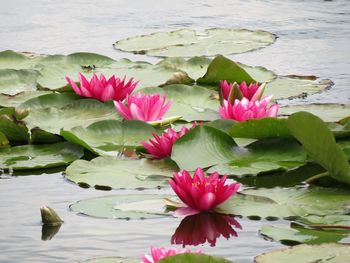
{"x":194,"y":258}
{"x":57,"y":100}
{"x":261,"y":129}
{"x":190,"y":102}
{"x":263,"y":156}
{"x":291,"y":87}
{"x":109,"y":137}
{"x":327,"y":112}
{"x":111,"y":260}
{"x":202,"y":147}
{"x":14,"y":129}
{"x":328,"y":154}
{"x":16,"y":100}
{"x":206,"y":146}
{"x":188,"y":43}
{"x":338,"y":221}
{"x":78,"y":113}
{"x":288,"y":202}
{"x":196,"y":67}
{"x":299,"y":234}
{"x":110,"y":172}
{"x":122,"y":207}
{"x":28,"y":157}
{"x":14,"y":81}
{"x":4,"y":142}
{"x":330,"y":253}
{"x":280,"y":87}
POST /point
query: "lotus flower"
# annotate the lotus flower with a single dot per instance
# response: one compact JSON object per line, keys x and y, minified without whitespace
{"x":233,"y":91}
{"x":200,"y":193}
{"x":161,"y":146}
{"x":102,"y":89}
{"x":245,"y":110}
{"x":143,"y":107}
{"x":159,"y":253}
{"x":204,"y":227}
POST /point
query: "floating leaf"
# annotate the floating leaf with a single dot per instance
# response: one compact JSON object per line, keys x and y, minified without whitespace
{"x":57,"y":100}
{"x":190,"y":102}
{"x":3,"y":140}
{"x":28,"y":157}
{"x":14,"y":81}
{"x":321,"y":148}
{"x":110,"y":137}
{"x":261,"y":129}
{"x":296,"y":86}
{"x":194,"y":258}
{"x":330,"y":253}
{"x":16,"y":100}
{"x":288,"y":202}
{"x":188,"y":43}
{"x":222,"y":68}
{"x":11,"y":127}
{"x":327,"y":112}
{"x":143,"y":206}
{"x":280,"y":87}
{"x":110,"y":172}
{"x":263,"y":156}
{"x":79,"y":113}
{"x":202,"y":147}
{"x":327,"y":221}
{"x":297,"y":234}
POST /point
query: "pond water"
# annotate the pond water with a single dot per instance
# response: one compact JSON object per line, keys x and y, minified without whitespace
{"x":313,"y":40}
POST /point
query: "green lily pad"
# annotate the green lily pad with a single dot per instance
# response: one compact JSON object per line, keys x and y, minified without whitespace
{"x":263,"y":156}
{"x":16,"y":100}
{"x":111,"y":260}
{"x":222,"y":68}
{"x":13,"y":60}
{"x":328,"y":154}
{"x":109,"y":137}
{"x":14,"y":81}
{"x":28,"y":157}
{"x":79,"y":113}
{"x":122,"y":207}
{"x":338,"y":221}
{"x":190,"y":102}
{"x":206,"y":146}
{"x":109,"y":172}
{"x":14,"y":129}
{"x":288,"y":202}
{"x":260,"y":129}
{"x":188,"y":43}
{"x":4,"y":142}
{"x":202,"y":146}
{"x":296,"y":86}
{"x":327,"y":112}
{"x":280,"y":87}
{"x":299,"y":234}
{"x":38,"y":136}
{"x":194,"y":258}
{"x":57,"y":100}
{"x":196,"y":67}
{"x":330,"y":253}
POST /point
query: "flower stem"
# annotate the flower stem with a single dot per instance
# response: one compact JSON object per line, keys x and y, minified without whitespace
{"x":316,"y":177}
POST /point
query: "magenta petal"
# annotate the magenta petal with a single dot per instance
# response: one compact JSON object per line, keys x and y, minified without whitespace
{"x":74,"y":86}
{"x":185,"y":211}
{"x":207,"y":201}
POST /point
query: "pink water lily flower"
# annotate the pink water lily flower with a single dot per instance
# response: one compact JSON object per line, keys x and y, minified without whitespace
{"x":161,"y":146}
{"x":102,"y":89}
{"x":242,"y":110}
{"x":200,"y":193}
{"x":159,"y":253}
{"x":233,"y":91}
{"x":143,"y":107}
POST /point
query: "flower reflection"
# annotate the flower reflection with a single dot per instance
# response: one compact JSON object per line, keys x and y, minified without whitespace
{"x":204,"y":227}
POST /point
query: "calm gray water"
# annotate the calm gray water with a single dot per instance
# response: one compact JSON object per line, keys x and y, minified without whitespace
{"x":313,"y":39}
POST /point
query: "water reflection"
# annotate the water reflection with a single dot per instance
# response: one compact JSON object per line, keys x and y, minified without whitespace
{"x":204,"y":227}
{"x":49,"y":231}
